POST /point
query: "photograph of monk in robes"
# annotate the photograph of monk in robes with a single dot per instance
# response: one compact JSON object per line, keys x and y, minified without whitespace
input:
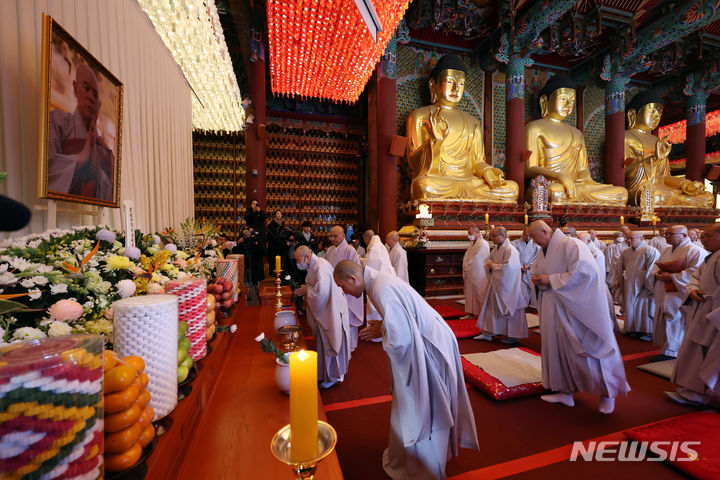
{"x":83,"y":138}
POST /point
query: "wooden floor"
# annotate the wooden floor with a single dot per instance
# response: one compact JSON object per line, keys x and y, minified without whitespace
{"x":522,"y":438}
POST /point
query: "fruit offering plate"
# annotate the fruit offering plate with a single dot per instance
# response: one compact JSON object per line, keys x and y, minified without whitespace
{"x":137,"y":471}
{"x":184,"y":387}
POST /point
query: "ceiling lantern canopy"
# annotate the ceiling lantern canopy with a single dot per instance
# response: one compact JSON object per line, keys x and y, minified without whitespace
{"x":322,"y":48}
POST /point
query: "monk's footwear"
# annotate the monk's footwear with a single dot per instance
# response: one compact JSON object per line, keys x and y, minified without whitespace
{"x":661,"y":358}
{"x":510,"y":340}
{"x":607,"y":405}
{"x":645,"y":338}
{"x":325,"y":385}
{"x":483,"y":336}
{"x":564,"y":398}
{"x":676,"y":397}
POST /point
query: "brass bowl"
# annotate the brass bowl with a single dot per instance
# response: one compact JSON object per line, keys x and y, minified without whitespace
{"x":280,"y":447}
{"x":289,"y":337}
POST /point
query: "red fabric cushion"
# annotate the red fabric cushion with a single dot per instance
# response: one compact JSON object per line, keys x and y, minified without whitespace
{"x":495,"y":388}
{"x":464,"y":328}
{"x":446,"y":311}
{"x":700,"y":427}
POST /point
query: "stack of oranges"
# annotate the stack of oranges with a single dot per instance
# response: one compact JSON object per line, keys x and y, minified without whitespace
{"x":128,"y":415}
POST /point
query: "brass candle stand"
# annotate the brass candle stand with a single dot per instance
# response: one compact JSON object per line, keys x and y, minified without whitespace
{"x":280,"y":447}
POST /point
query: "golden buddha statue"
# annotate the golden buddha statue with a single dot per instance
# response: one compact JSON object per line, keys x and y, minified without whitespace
{"x":646,"y":159}
{"x":557,"y":151}
{"x":445,"y":149}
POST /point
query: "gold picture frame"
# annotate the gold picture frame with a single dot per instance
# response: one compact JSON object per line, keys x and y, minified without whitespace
{"x":79,"y":96}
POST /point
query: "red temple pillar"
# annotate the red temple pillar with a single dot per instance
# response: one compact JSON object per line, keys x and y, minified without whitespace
{"x":615,"y":131}
{"x":387,"y":189}
{"x":255,"y":138}
{"x":695,"y":139}
{"x":515,"y":124}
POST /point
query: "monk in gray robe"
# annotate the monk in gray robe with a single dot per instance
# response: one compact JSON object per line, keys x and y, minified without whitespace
{"x":474,"y":277}
{"x":672,"y":273}
{"x":431,"y":416}
{"x":528,"y":252}
{"x":398,"y":256}
{"x":327,"y":315}
{"x":340,"y":250}
{"x":698,"y":362}
{"x":579,"y":350}
{"x":637,"y":282}
{"x":503,"y":311}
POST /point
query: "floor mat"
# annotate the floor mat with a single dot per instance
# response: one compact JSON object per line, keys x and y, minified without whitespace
{"x":448,"y":312}
{"x":493,"y":387}
{"x":702,"y":427}
{"x":464,"y":328}
{"x":533,"y":320}
{"x":512,"y":366}
{"x":461,"y":302}
{"x":662,"y":369}
{"x":444,"y":297}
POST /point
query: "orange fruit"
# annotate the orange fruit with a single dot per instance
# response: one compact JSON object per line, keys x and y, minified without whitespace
{"x":144,"y":398}
{"x":144,"y":379}
{"x":147,"y":435}
{"x":136,"y":362}
{"x":123,"y":440}
{"x":119,"y":378}
{"x":122,"y":400}
{"x":145,"y":417}
{"x":118,"y":462}
{"x":116,"y":422}
{"x":110,"y":359}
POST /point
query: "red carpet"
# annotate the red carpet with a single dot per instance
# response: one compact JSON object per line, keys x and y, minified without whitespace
{"x":464,"y":328}
{"x":703,"y":427}
{"x":446,"y":311}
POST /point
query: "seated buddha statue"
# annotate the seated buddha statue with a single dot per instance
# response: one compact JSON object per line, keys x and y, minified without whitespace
{"x":557,"y":151}
{"x":646,"y":159}
{"x":445,"y":149}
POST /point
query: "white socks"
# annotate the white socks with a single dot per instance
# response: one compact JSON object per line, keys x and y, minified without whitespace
{"x":564,"y":398}
{"x":607,"y":405}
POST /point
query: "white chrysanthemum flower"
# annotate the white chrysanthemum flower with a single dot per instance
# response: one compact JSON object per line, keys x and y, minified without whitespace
{"x":43,"y":269}
{"x":233,"y":329}
{"x":126,"y":288}
{"x":57,"y":288}
{"x":35,"y":294}
{"x":58,"y":329}
{"x":27,"y":283}
{"x":28,"y":333}
{"x":7,"y":277}
{"x":19,"y":264}
{"x":39,"y":280}
{"x":260,"y":337}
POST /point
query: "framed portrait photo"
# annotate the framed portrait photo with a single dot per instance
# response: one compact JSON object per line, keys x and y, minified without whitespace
{"x":80,"y":123}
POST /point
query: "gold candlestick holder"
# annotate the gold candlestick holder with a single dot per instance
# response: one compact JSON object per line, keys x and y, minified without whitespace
{"x":278,"y":294}
{"x":280,"y":447}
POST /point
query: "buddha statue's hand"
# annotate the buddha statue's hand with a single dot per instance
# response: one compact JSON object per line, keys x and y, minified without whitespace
{"x":437,"y":125}
{"x":494,"y":177}
{"x":662,"y":147}
{"x":568,"y":183}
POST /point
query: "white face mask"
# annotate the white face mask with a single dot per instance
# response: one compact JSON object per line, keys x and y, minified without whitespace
{"x":471,"y":238}
{"x":302,"y":266}
{"x":620,"y":240}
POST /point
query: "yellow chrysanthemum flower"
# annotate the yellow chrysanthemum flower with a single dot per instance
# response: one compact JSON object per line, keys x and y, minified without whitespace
{"x":119,"y":262}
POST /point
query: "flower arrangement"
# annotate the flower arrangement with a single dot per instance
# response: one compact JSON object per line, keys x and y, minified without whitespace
{"x":269,"y":346}
{"x":64,"y":281}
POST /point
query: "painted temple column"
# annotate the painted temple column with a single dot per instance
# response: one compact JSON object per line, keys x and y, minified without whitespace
{"x":615,"y":131}
{"x":387,"y":192}
{"x":515,"y":123}
{"x":695,"y":138}
{"x":255,"y":138}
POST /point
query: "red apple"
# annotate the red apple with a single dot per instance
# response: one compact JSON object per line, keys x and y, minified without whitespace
{"x":225,"y":296}
{"x":220,"y":281}
{"x":227,"y":287}
{"x":227,"y":304}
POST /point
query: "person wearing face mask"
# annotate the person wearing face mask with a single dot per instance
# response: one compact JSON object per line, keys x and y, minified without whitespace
{"x":474,"y":277}
{"x":327,"y":315}
{"x":635,"y":278}
{"x":612,"y":262}
{"x":528,"y":251}
{"x":672,"y":273}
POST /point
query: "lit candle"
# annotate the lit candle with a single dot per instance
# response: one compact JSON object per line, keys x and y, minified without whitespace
{"x":303,"y":406}
{"x":487,"y":219}
{"x":277,"y":263}
{"x":622,"y":220}
{"x":526,"y":219}
{"x":654,"y":221}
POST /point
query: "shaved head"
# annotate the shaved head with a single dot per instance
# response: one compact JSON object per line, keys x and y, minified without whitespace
{"x":349,"y":276}
{"x":392,"y":238}
{"x":336,"y":235}
{"x":302,"y":251}
{"x":635,"y":239}
{"x":675,"y":234}
{"x":540,"y":232}
{"x":498,"y":235}
{"x":367,"y":236}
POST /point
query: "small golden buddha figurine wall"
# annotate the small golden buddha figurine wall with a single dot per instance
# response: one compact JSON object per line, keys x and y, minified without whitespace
{"x":646,"y":159}
{"x":445,"y":149}
{"x":557,"y":151}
